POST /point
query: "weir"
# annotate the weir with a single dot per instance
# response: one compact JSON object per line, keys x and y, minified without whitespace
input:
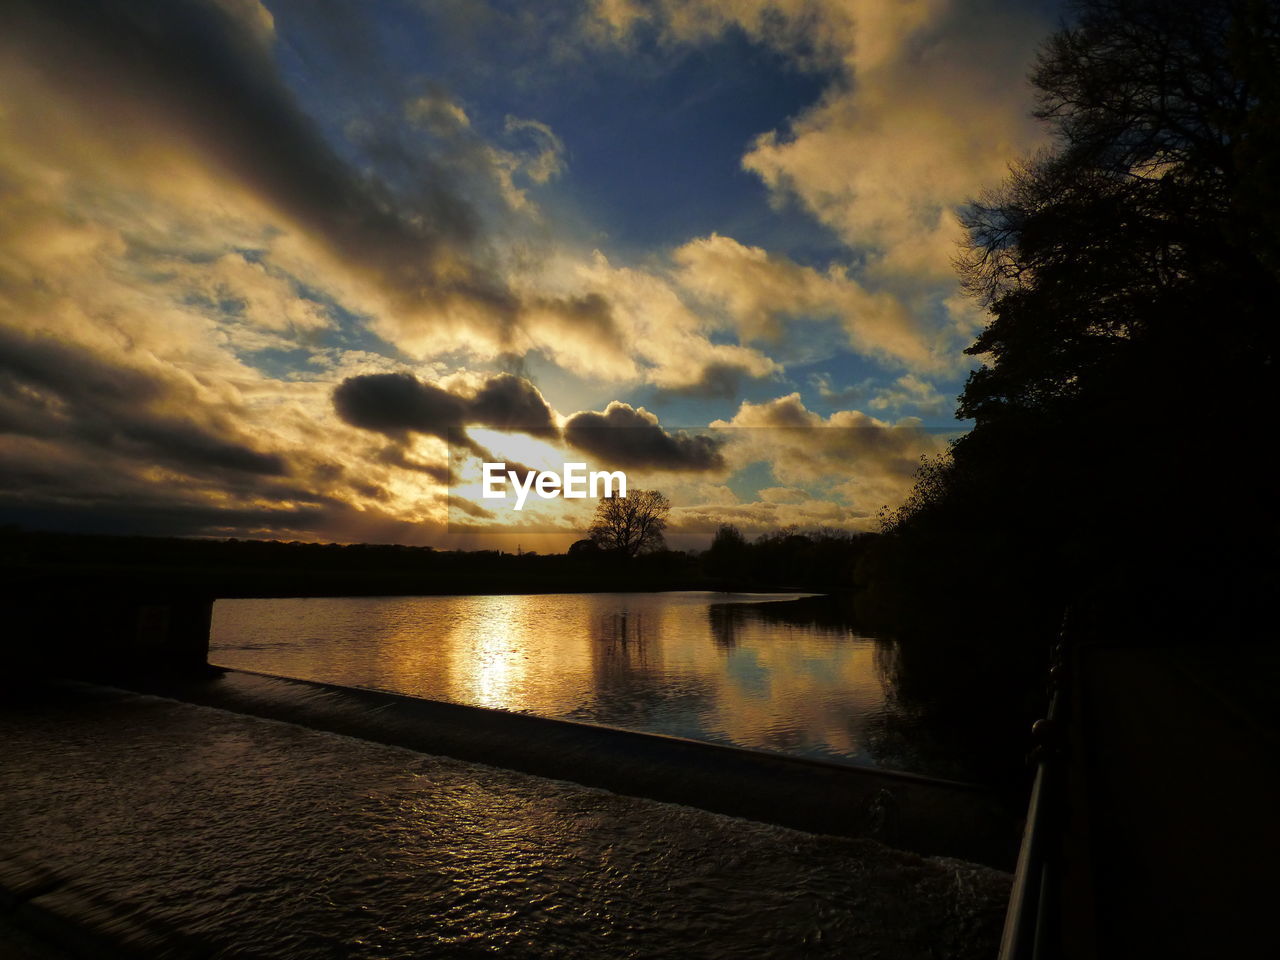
{"x":920,"y":814}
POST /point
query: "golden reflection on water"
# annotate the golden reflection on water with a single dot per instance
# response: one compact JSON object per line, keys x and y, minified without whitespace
{"x":497,"y":665}
{"x":686,"y":664}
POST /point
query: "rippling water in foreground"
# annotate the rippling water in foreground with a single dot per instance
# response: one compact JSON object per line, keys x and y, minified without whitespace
{"x":709,"y":666}
{"x":265,"y":839}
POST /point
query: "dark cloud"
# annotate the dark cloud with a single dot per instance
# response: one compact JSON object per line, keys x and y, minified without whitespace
{"x":59,"y":391}
{"x":623,"y":436}
{"x":508,"y":402}
{"x":395,"y":403}
{"x":470,"y":508}
{"x":55,"y":493}
{"x":398,"y":403}
{"x":716,"y":381}
{"x":207,"y":76}
{"x":201,"y":74}
{"x":159,"y":519}
{"x":394,"y":455}
{"x":591,"y":315}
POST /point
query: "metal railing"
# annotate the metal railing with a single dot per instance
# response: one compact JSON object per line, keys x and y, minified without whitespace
{"x":1030,"y":921}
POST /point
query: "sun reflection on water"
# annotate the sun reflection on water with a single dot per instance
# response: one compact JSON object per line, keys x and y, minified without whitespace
{"x":687,"y":664}
{"x":498,"y":665}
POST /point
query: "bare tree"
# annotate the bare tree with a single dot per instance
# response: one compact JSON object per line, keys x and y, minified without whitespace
{"x":632,"y":524}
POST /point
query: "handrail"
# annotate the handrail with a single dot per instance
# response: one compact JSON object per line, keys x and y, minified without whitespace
{"x":1027,"y":925}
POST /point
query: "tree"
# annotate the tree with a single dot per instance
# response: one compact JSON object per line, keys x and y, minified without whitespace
{"x":630,"y":525}
{"x":1156,"y":212}
{"x":1132,"y":274}
{"x":729,"y":554}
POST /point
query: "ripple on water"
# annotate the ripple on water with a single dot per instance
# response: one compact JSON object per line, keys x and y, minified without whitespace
{"x":265,"y":838}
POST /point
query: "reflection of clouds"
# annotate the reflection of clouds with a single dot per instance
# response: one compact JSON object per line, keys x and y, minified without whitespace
{"x":797,"y":687}
{"x":640,"y":681}
{"x":677,"y":664}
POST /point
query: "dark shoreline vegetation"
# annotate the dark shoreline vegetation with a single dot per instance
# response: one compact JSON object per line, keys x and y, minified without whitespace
{"x":787,"y":561}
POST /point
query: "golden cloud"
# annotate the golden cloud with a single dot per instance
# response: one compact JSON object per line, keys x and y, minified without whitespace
{"x":927,"y":105}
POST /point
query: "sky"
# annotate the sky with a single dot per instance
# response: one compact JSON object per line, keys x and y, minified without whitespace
{"x":293,"y":269}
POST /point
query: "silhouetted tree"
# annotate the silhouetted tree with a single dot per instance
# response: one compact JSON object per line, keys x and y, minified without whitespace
{"x":1133,"y":278}
{"x":630,"y":525}
{"x":729,"y":554}
{"x":1158,"y":205}
{"x":583,"y":548}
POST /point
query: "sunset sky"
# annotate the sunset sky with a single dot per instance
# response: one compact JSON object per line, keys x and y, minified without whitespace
{"x":261,"y":262}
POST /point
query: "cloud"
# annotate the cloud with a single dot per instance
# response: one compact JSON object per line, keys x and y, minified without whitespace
{"x":927,"y":105}
{"x":932,"y":106}
{"x":865,"y":461}
{"x":394,"y":455}
{"x":169,"y":213}
{"x":717,"y":380}
{"x":55,"y":390}
{"x":907,"y":392}
{"x":186,"y":100}
{"x":758,"y":289}
{"x":788,"y":24}
{"x":546,"y":159}
{"x":125,"y":403}
{"x":398,"y":403}
{"x":657,"y":338}
{"x":251,"y":291}
{"x":782,"y":495}
{"x":768,"y":516}
{"x":827,"y":390}
{"x":209,"y":293}
{"x":910,"y":392}
{"x":627,"y":437}
{"x":393,"y":403}
{"x":507,"y":402}
{"x":470,"y":508}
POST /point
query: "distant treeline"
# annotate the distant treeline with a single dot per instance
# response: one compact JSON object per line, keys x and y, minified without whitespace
{"x":825,"y":558}
{"x":790,"y":559}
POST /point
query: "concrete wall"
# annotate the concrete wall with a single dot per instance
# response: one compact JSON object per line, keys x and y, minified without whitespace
{"x":104,"y":631}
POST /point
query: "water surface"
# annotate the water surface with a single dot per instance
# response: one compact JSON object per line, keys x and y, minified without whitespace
{"x":740,"y":669}
{"x":241,"y":837}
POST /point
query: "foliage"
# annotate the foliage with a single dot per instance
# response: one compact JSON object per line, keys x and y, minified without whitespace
{"x":1133,"y":279}
{"x":785,"y":558}
{"x":1155,"y":212}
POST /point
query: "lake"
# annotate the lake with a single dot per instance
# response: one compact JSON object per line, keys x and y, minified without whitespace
{"x":764,"y":671}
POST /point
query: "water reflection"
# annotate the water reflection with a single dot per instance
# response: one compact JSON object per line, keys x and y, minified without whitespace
{"x":497,"y":667}
{"x":751,"y":670}
{"x":267,"y":839}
